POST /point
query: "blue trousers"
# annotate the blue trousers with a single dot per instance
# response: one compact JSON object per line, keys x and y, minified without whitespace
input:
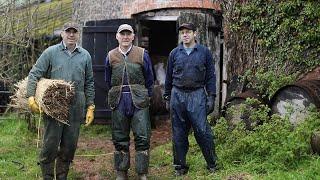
{"x":188,"y":109}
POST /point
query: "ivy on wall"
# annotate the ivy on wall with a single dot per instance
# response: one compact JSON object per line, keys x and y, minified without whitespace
{"x":276,"y":40}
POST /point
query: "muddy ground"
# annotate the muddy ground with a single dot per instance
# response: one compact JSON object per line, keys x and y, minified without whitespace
{"x":98,"y":164}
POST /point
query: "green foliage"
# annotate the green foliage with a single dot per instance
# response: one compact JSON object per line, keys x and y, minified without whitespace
{"x":26,"y":31}
{"x":18,"y":158}
{"x":273,"y":150}
{"x":19,"y":152}
{"x":273,"y":146}
{"x":288,"y":37}
{"x":267,"y":82}
{"x":102,"y":131}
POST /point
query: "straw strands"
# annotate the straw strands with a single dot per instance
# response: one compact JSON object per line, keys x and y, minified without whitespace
{"x":53,"y":96}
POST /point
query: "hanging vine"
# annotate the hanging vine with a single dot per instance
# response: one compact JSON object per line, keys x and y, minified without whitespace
{"x":270,"y":43}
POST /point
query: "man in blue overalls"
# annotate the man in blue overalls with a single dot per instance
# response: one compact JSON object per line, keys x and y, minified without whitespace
{"x":130,"y":78}
{"x":190,"y":89}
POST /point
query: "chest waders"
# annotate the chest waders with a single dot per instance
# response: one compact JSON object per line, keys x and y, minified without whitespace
{"x":130,"y":66}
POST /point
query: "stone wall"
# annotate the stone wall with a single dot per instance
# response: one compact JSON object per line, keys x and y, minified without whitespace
{"x":85,"y":10}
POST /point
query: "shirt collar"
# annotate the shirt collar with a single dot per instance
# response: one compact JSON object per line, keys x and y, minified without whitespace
{"x":125,"y":53}
{"x":64,"y":47}
{"x":182,"y":48}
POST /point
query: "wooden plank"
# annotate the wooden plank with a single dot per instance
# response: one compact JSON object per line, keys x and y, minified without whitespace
{"x":112,"y":42}
{"x":101,"y":48}
{"x":88,"y":43}
{"x":90,"y":23}
{"x":102,"y":111}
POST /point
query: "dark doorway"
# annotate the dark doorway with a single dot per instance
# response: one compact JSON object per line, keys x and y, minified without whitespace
{"x":159,"y":38}
{"x":162,"y":36}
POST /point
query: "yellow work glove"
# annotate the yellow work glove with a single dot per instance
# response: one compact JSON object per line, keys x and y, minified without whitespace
{"x":90,"y":115}
{"x":34,"y":107}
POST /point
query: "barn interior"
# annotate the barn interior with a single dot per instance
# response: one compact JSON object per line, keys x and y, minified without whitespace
{"x":159,"y":38}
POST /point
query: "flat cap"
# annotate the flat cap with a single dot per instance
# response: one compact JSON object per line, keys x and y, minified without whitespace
{"x":71,"y":25}
{"x":125,"y":27}
{"x":189,"y":26}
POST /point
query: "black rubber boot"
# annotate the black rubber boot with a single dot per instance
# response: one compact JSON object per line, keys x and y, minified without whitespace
{"x":62,"y":169}
{"x":122,"y":175}
{"x":47,"y":170}
{"x":142,"y":163}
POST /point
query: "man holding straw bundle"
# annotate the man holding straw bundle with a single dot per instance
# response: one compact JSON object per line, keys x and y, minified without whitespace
{"x":71,"y":63}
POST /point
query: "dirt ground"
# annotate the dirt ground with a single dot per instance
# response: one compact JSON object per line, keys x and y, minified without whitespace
{"x":99,"y":165}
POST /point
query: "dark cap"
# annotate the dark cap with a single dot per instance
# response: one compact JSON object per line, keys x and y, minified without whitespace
{"x":189,"y":26}
{"x":71,"y":25}
{"x":125,"y":27}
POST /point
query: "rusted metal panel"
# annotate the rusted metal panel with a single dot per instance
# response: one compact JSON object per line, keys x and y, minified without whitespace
{"x":236,"y":110}
{"x":295,"y":99}
{"x":315,"y":142}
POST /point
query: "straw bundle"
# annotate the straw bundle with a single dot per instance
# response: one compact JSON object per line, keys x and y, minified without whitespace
{"x":18,"y":99}
{"x":53,"y":96}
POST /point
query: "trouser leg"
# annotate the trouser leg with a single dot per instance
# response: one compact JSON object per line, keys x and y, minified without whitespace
{"x":202,"y":130}
{"x":204,"y":138}
{"x":180,"y":129}
{"x":120,"y":131}
{"x":121,"y":164}
{"x":47,"y":170}
{"x":121,"y":139}
{"x":51,"y":141}
{"x":62,"y":169}
{"x":67,"y":149}
{"x":141,"y":128}
{"x":142,"y":162}
{"x":121,"y":160}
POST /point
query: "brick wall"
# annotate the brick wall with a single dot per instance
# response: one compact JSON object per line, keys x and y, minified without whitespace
{"x":85,"y":10}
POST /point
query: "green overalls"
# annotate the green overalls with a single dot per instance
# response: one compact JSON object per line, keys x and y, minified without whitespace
{"x":60,"y":140}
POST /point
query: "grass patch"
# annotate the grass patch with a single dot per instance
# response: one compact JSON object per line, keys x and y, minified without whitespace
{"x":161,"y":166}
{"x":19,"y":152}
{"x":274,"y":150}
{"x":263,"y":158}
{"x":102,"y":131}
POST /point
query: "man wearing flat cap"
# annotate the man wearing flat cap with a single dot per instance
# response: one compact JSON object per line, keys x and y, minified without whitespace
{"x":66,"y":61}
{"x":190,"y":92}
{"x":129,"y":76}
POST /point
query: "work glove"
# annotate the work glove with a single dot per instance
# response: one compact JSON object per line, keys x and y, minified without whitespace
{"x":34,"y":107}
{"x":210,"y":104}
{"x":90,"y":115}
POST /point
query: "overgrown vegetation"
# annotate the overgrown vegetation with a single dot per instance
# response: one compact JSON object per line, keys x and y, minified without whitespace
{"x":273,"y":150}
{"x":26,"y":30}
{"x":18,"y":159}
{"x":274,"y":41}
{"x":275,"y":145}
